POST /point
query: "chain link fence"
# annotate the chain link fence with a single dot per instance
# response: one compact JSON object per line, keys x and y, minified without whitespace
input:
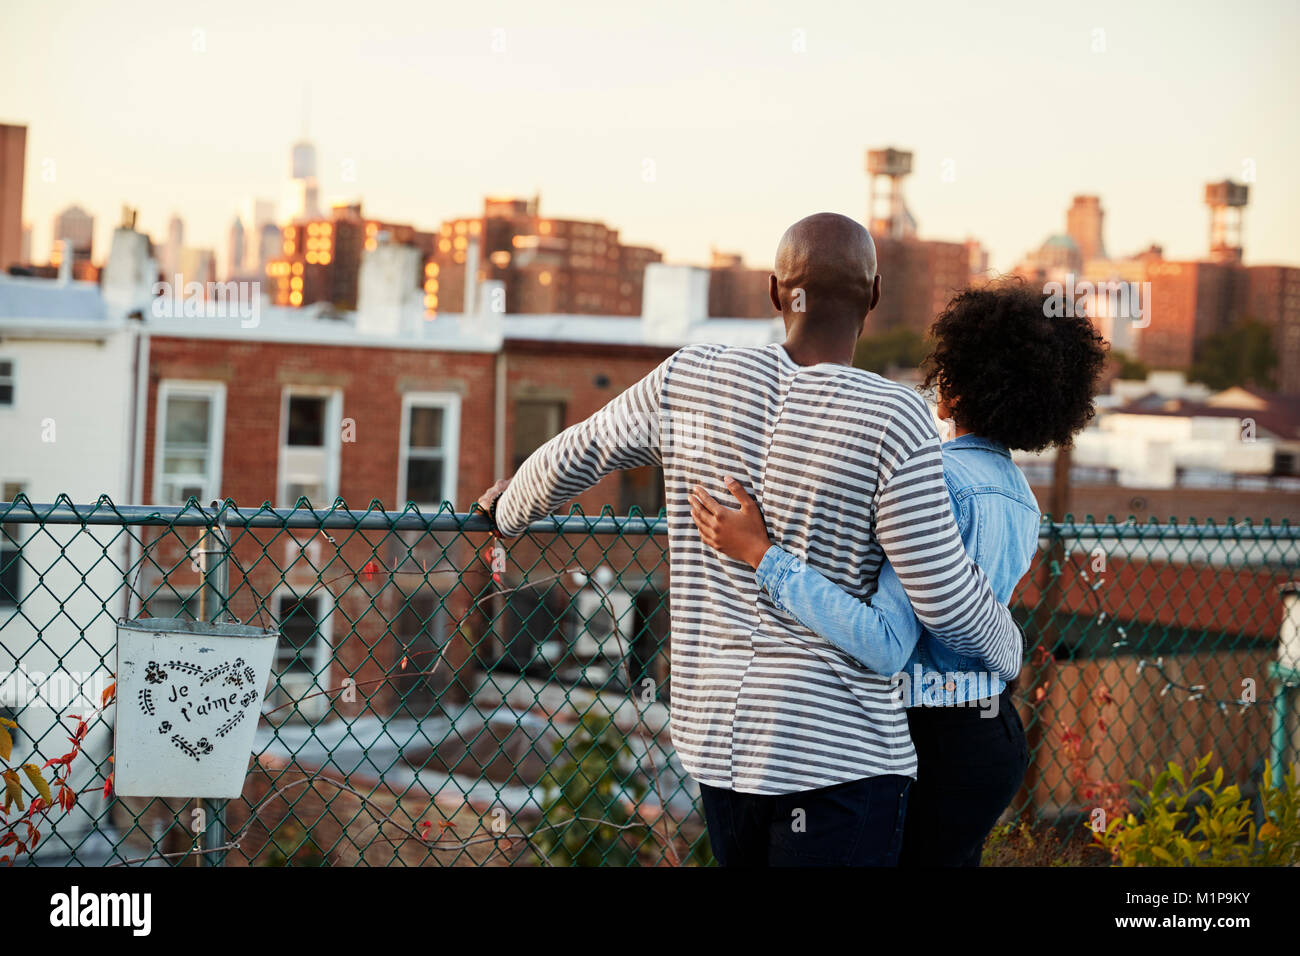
{"x":434,"y":705}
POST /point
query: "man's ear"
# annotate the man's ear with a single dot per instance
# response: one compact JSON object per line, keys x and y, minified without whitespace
{"x":875,"y":293}
{"x":773,"y":292}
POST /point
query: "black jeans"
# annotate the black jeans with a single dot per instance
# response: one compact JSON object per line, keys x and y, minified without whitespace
{"x":970,"y":766}
{"x":859,"y":823}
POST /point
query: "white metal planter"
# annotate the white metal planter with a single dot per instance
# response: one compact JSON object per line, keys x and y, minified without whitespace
{"x":188,"y":698}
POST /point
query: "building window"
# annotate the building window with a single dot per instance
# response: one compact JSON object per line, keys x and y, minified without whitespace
{"x":420,"y":629}
{"x":187,"y":457}
{"x":11,"y":552}
{"x":537,"y":421}
{"x":430,"y":438}
{"x":166,"y":602}
{"x":301,"y":654}
{"x":642,"y":487}
{"x":309,"y":446}
{"x":6,"y":383}
{"x":531,"y":628}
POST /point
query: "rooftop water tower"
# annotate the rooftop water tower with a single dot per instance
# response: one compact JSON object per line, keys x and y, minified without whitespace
{"x":887,"y":213}
{"x":1226,"y":201}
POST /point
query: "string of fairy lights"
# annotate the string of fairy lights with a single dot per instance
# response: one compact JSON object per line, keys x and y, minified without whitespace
{"x":1192,"y":692}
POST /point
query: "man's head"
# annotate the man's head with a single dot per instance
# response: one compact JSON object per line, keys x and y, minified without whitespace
{"x":825,"y":279}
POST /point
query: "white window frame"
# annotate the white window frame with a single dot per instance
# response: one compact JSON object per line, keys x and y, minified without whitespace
{"x":333,"y":443}
{"x":299,"y":686}
{"x":449,"y":402}
{"x":11,"y":543}
{"x":215,"y":392}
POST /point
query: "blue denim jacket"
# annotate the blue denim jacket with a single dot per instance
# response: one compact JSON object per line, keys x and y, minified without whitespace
{"x":998,"y":519}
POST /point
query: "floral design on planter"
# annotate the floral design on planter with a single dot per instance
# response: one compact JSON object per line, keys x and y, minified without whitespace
{"x":230,"y":724}
{"x":231,"y":670}
{"x":191,"y":706}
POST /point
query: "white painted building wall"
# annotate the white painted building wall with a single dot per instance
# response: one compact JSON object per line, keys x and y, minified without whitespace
{"x":68,"y":431}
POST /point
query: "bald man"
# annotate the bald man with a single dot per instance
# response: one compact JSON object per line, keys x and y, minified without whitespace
{"x":803,"y":757}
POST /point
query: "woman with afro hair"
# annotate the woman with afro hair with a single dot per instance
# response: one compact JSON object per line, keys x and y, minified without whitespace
{"x":1009,"y":373}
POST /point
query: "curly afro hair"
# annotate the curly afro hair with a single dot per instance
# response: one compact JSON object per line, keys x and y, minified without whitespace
{"x":1012,"y":373}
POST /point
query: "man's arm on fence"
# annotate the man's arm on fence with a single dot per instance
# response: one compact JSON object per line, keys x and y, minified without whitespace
{"x":948,"y":591}
{"x":623,"y":434}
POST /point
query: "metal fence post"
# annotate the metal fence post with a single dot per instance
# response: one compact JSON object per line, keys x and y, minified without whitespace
{"x":1287,"y":673}
{"x":214,"y":560}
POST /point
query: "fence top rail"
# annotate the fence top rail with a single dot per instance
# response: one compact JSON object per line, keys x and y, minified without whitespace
{"x":228,"y":514}
{"x":104,"y":512}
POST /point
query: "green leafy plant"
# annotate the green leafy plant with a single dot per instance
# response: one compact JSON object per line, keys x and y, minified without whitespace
{"x":1241,"y":354}
{"x":899,"y":347}
{"x":1189,"y":818}
{"x":1129,"y":367}
{"x":1278,"y":840}
{"x":590,"y":818}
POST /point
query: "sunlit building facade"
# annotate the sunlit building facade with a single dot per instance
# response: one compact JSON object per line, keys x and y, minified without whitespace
{"x":320,"y":259}
{"x":545,"y":265}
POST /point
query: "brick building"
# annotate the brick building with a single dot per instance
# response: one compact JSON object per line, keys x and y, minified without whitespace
{"x":738,"y":290}
{"x":545,"y":265}
{"x":320,"y":258}
{"x":1191,"y":301}
{"x":13,"y":159}
{"x":1273,"y":297}
{"x":918,"y":277}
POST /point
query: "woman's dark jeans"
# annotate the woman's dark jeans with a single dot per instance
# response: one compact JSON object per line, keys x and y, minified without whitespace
{"x":970,"y":766}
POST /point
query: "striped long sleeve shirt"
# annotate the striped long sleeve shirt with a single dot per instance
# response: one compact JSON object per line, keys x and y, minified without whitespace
{"x":847,"y":470}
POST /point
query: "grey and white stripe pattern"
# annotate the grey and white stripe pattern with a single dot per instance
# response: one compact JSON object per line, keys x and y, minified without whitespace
{"x":846,"y":467}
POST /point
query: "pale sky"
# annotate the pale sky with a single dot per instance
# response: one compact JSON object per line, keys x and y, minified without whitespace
{"x":169,"y":108}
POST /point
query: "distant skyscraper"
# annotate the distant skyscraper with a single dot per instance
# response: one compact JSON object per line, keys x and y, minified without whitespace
{"x":78,"y":226}
{"x":257,"y":216}
{"x":13,"y":157}
{"x":198,"y":265}
{"x":170,"y":260}
{"x":303,"y":164}
{"x":235,"y":249}
{"x":302,"y":198}
{"x":267,"y":247}
{"x":1083,"y":225}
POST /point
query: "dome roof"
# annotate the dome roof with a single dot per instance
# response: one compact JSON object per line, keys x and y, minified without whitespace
{"x":1060,"y":241}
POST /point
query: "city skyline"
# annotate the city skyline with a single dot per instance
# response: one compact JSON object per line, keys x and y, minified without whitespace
{"x":419,"y":119}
